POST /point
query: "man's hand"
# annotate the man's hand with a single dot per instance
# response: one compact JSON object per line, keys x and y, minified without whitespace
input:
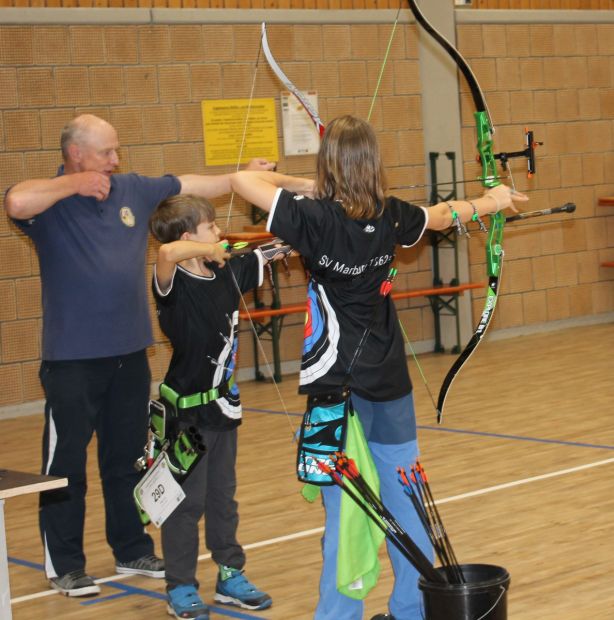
{"x":93,"y":184}
{"x":259,"y":163}
{"x":29,"y":198}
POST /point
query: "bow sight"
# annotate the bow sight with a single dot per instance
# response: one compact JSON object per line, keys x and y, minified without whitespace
{"x":528,"y":152}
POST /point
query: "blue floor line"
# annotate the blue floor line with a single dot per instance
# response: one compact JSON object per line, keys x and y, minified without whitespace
{"x":562,"y":442}
{"x":291,"y":413}
{"x":25,"y":563}
{"x":234,"y":614}
{"x":460,"y":431}
{"x":126,"y":590}
{"x":110,"y":597}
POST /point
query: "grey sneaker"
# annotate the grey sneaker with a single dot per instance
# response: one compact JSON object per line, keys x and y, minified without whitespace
{"x":75,"y":583}
{"x":148,"y":565}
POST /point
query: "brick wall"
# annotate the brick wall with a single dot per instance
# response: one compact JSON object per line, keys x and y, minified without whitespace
{"x":558,"y":80}
{"x":308,"y":4}
{"x":148,"y":80}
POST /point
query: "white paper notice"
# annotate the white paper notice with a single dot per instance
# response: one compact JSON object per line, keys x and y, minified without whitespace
{"x":300,"y":134}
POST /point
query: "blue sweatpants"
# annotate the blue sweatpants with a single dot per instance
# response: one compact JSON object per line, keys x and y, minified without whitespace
{"x":390,"y":430}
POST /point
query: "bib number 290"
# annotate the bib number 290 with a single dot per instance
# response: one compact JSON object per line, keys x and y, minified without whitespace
{"x":157,"y":493}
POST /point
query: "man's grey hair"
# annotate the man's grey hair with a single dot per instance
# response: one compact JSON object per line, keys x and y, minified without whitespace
{"x":72,"y":133}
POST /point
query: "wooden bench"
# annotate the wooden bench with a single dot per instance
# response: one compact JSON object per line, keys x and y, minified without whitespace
{"x":269,"y":320}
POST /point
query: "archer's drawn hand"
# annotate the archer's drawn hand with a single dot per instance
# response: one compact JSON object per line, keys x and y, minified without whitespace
{"x":259,"y":163}
{"x":309,"y":190}
{"x":220,"y":253}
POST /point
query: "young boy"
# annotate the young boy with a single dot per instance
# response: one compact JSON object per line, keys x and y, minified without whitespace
{"x":197,"y":301}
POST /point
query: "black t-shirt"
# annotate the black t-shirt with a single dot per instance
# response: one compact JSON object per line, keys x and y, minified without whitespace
{"x":200,"y":317}
{"x":348,"y":260}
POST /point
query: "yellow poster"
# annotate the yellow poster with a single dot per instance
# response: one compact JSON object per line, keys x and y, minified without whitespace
{"x":239,"y":126}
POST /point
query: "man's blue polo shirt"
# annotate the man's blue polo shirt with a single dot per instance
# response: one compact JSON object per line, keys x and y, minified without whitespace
{"x":92,"y":260}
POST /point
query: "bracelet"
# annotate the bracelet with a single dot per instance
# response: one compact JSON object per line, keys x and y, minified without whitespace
{"x":461,"y":229}
{"x":476,"y":217}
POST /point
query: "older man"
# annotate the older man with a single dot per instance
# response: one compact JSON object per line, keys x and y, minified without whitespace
{"x":89,"y":227}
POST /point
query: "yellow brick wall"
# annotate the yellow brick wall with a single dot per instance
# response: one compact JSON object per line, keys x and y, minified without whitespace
{"x":558,"y":80}
{"x":149,"y":80}
{"x":307,"y":4}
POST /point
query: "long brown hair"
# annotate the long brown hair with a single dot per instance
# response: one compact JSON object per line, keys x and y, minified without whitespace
{"x":349,"y":168}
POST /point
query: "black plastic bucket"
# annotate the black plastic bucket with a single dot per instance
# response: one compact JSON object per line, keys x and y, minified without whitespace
{"x":482,"y":597}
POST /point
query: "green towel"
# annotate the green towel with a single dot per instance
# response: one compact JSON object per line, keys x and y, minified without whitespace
{"x":358,"y":566}
{"x":310,"y":492}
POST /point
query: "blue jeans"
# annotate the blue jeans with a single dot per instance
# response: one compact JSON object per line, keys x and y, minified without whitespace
{"x":405,"y":601}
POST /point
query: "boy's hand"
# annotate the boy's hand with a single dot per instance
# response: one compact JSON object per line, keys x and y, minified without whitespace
{"x":221,"y":253}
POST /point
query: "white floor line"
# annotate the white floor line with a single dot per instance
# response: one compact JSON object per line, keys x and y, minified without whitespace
{"x":319,"y":530}
{"x":31,"y":597}
{"x":516,"y":483}
{"x":274,"y":541}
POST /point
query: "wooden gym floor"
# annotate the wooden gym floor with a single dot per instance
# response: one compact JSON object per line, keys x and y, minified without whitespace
{"x":522,"y":467}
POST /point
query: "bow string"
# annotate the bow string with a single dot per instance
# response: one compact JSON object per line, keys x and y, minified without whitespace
{"x":240,"y":237}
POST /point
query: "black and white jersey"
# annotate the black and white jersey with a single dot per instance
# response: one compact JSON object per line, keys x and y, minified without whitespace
{"x":200,"y":317}
{"x":348,"y":260}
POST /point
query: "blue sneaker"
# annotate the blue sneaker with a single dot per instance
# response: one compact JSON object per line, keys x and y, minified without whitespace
{"x":184,"y":602}
{"x":233,"y":588}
